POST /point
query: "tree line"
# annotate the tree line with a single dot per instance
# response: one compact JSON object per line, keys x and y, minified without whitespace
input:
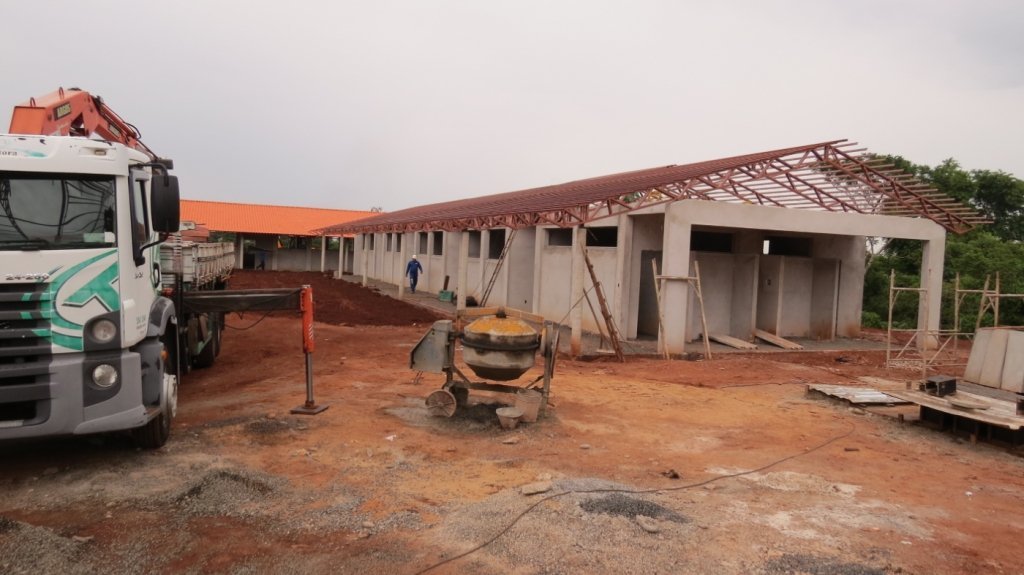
{"x":985,"y":250}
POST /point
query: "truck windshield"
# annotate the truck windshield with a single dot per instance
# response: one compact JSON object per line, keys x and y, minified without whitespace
{"x":56,"y":211}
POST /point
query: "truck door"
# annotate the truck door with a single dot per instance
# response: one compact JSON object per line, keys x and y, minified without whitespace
{"x":142,"y":282}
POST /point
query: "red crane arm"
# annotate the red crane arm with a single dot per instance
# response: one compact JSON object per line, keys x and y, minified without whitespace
{"x":75,"y":112}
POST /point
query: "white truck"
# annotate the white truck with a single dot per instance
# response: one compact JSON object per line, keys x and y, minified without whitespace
{"x":93,"y":333}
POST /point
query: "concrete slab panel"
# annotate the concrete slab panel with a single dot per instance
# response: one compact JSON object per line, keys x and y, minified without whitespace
{"x":1013,"y":365}
{"x":973,"y":371}
{"x":992,"y":368}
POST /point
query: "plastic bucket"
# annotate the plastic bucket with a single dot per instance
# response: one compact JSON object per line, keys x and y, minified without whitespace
{"x":509,"y":416}
{"x":528,"y":400}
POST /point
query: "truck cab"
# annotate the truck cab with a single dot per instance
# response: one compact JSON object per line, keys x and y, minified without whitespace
{"x":88,"y":343}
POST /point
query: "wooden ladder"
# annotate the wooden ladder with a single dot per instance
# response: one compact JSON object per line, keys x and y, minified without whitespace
{"x":497,"y":268}
{"x":613,"y":333}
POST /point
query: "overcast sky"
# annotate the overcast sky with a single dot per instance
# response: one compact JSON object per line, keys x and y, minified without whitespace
{"x":400,"y":103}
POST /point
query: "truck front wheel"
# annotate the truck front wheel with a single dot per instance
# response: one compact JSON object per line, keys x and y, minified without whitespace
{"x":155,"y":433}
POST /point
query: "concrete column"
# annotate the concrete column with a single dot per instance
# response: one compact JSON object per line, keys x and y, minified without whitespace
{"x":485,"y":244}
{"x":366,"y":259}
{"x":444,"y":257}
{"x":463,"y":269}
{"x":579,"y":241}
{"x":674,"y":296}
{"x":539,"y":242}
{"x":620,"y":291}
{"x":273,"y":253}
{"x":240,"y":252}
{"x":933,"y":256}
{"x":401,"y":255}
{"x":341,"y":257}
{"x":323,"y":253}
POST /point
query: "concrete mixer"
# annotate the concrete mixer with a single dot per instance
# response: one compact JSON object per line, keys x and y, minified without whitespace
{"x":498,"y":344}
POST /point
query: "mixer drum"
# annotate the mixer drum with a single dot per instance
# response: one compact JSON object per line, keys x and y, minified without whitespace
{"x":499,"y":348}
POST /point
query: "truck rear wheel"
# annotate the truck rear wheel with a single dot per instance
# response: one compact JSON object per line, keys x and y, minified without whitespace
{"x":211,"y":350}
{"x":155,"y":433}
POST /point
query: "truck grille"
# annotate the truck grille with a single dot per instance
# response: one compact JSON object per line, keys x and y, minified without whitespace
{"x":25,"y":312}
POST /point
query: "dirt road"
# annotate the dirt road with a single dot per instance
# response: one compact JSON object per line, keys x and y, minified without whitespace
{"x":723,"y":466}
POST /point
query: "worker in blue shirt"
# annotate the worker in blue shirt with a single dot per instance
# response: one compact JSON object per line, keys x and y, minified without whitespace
{"x":413,"y":269}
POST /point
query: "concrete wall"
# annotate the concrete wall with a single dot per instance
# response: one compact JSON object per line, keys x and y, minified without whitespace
{"x":797,"y":287}
{"x":797,"y":296}
{"x":787,"y":295}
{"x":521,"y":270}
{"x":554,"y":277}
{"x":851,"y":252}
{"x":744,"y":296}
{"x":768,"y":292}
{"x":604,"y":261}
{"x":451,"y":259}
{"x":716,"y":278}
{"x":295,"y":260}
{"x":824,"y":293}
{"x":435,"y":267}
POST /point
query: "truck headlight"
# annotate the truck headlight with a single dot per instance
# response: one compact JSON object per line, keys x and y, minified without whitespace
{"x":104,"y":375}
{"x":103,"y":331}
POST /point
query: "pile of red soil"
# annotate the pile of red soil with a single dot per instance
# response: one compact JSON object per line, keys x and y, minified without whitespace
{"x":338,"y":302}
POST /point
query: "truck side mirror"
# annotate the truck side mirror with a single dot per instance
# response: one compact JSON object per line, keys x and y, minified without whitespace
{"x":166,"y":203}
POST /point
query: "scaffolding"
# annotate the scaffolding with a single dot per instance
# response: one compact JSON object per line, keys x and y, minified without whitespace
{"x":931,"y":349}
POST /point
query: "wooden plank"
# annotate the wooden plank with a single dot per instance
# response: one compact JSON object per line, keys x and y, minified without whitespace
{"x":731,"y":341}
{"x":1000,"y":413}
{"x":776,"y":340}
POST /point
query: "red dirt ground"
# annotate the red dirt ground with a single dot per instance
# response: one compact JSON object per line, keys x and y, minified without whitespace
{"x":375,"y":485}
{"x":338,"y":302}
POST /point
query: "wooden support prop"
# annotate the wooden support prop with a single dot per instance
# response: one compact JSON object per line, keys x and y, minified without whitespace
{"x":700,"y":300}
{"x":657,"y":297}
{"x":732,"y":341}
{"x":694,"y":282}
{"x":776,"y":340}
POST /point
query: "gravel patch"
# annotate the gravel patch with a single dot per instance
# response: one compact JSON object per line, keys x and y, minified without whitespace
{"x":560,"y":535}
{"x":812,"y":565}
{"x":230,"y":492}
{"x":630,"y":506}
{"x":27,"y":549}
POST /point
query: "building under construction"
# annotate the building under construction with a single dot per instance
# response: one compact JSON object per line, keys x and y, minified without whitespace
{"x":778,"y":238}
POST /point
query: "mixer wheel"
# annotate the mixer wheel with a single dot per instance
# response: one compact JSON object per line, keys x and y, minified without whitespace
{"x":441,"y":403}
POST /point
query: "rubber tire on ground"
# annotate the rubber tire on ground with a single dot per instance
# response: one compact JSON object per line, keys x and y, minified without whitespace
{"x":208,"y":355}
{"x":155,"y":433}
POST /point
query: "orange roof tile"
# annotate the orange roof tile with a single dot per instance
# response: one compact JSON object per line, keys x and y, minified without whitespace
{"x":263,"y":219}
